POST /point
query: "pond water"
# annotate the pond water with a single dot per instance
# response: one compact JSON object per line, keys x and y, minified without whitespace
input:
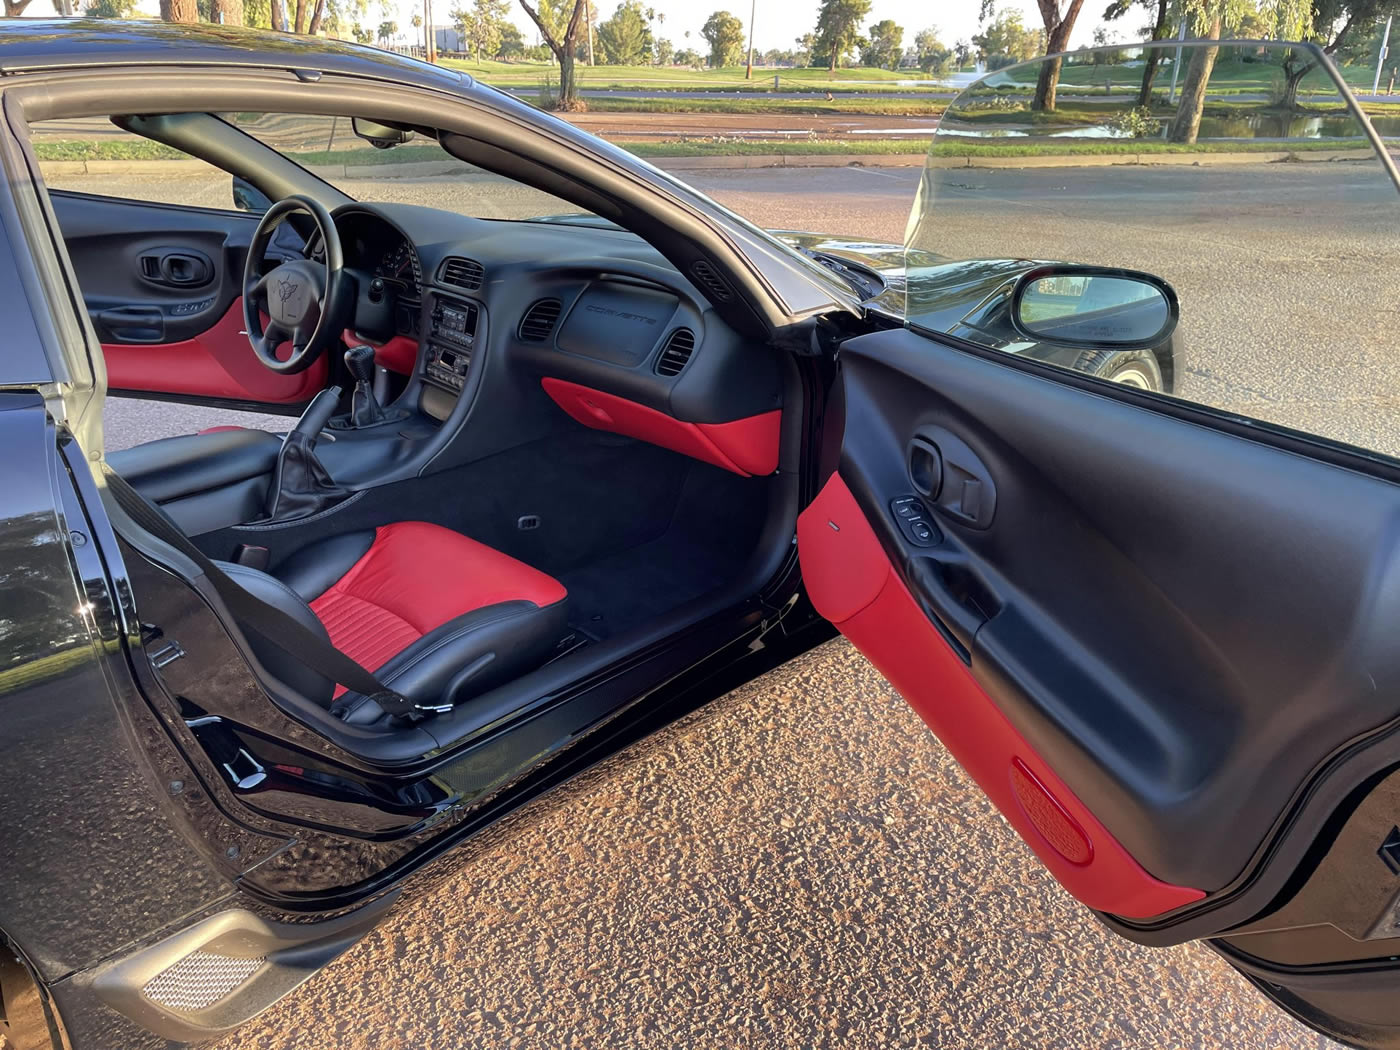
{"x":1255,"y":126}
{"x":1281,"y":126}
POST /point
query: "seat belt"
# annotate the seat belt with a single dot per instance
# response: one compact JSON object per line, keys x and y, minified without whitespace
{"x":263,"y":619}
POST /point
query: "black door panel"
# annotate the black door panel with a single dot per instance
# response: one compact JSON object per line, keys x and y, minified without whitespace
{"x":183,"y":264}
{"x":1189,"y":626}
{"x":163,"y":285}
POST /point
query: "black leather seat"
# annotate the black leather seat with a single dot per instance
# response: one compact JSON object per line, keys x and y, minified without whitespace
{"x":436,"y":616}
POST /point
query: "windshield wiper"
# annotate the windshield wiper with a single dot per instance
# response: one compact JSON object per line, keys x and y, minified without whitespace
{"x":866,"y":285}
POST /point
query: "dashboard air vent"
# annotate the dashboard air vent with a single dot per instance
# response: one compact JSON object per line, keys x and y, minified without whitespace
{"x":674,"y":355}
{"x":461,"y":273}
{"x":711,"y":281}
{"x":538,"y":323}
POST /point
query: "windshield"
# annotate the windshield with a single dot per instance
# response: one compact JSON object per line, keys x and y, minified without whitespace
{"x":407,"y":168}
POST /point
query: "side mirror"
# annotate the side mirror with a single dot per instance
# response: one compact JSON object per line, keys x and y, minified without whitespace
{"x":1094,"y":306}
{"x":247,"y":197}
{"x":380,"y":136}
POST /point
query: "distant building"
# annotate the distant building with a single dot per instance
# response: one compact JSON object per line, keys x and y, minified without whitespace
{"x":448,"y":38}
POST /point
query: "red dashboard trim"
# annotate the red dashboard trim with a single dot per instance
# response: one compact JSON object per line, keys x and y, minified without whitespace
{"x":399,"y":354}
{"x":745,"y":446}
{"x":851,"y":582}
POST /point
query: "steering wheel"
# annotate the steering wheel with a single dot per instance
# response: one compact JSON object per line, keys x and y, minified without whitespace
{"x":300,"y":297}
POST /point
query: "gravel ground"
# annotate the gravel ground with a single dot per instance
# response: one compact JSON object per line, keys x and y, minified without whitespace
{"x":800,"y":864}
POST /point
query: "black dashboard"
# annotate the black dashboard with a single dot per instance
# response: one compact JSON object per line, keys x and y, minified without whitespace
{"x":591,"y":306}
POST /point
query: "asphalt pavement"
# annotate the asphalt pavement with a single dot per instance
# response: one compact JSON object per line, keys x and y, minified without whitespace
{"x":801,"y":863}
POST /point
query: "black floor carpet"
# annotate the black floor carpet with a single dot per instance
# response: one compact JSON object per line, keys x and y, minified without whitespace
{"x":717,"y":521}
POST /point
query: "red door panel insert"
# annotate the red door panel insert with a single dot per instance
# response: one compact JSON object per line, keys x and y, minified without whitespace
{"x":217,"y":363}
{"x":851,"y":582}
{"x":745,"y":446}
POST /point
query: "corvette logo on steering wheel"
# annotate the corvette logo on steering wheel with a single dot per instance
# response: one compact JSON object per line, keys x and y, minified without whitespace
{"x":285,"y":291}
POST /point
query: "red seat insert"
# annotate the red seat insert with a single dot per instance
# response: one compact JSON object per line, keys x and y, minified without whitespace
{"x":413,"y":579}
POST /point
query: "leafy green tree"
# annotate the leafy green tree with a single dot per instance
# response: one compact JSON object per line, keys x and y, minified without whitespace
{"x":1209,"y":19}
{"x":1338,"y":25}
{"x":838,"y":29}
{"x":110,"y":9}
{"x":1158,"y":29}
{"x":884,"y":46}
{"x":1059,"y":17}
{"x":930,"y":52}
{"x":688,"y":56}
{"x":562,"y":38}
{"x":665,"y":51}
{"x":1006,"y":40}
{"x":806,"y":46}
{"x":725,"y":35}
{"x":482,"y":25}
{"x":361,"y":34}
{"x":625,"y":37}
{"x":388,"y":29}
{"x":512,"y":40}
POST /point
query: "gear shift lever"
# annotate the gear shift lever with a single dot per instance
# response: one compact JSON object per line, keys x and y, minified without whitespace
{"x":365,"y":410}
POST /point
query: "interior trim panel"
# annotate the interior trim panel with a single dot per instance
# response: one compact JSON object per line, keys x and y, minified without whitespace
{"x":1136,"y":617}
{"x":851,"y":582}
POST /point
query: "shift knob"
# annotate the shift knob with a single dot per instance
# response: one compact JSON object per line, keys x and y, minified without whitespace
{"x":359,"y":362}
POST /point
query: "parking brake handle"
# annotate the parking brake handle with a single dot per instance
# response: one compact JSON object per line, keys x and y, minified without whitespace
{"x":301,"y":485}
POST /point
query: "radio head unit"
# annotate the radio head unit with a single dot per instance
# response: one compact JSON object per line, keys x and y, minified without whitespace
{"x":451,"y":338}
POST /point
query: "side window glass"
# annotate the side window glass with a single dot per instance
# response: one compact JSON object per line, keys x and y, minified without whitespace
{"x":1202,"y":220}
{"x":93,"y":155}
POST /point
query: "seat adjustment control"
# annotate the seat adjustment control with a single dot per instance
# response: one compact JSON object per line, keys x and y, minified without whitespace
{"x":914,"y":521}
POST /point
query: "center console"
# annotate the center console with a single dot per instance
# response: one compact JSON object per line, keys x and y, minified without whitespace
{"x":452,"y":327}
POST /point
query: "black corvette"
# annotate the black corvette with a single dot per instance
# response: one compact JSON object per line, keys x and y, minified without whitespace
{"x":551,"y":484}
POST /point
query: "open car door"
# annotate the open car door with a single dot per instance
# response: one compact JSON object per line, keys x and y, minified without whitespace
{"x":1160,"y":632}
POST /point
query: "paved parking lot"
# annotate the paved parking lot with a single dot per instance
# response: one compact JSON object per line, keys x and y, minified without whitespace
{"x":801,"y":864}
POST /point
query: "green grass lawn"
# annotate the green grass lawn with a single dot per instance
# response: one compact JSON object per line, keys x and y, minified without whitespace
{"x":673,"y":78}
{"x":894,"y":107}
{"x":1231,"y":76}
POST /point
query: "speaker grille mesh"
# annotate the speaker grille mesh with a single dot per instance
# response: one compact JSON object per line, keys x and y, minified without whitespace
{"x":199,"y":980}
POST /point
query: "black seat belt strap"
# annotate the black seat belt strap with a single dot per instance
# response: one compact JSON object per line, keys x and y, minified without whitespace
{"x":261,"y":618}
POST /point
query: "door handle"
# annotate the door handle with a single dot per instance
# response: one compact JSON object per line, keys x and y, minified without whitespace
{"x":133,"y":324}
{"x":176,"y":269}
{"x":955,"y":595}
